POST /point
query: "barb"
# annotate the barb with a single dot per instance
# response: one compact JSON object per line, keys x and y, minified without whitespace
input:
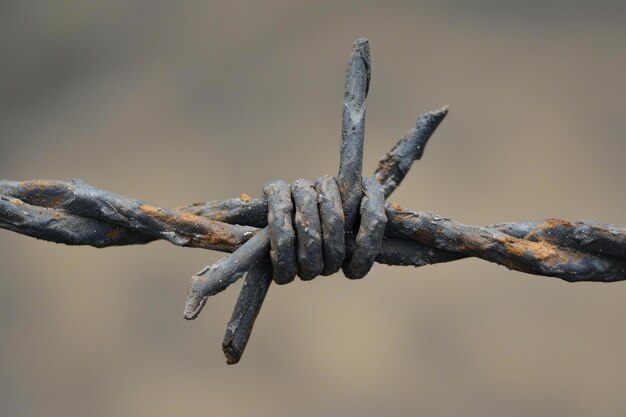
{"x":313,"y":228}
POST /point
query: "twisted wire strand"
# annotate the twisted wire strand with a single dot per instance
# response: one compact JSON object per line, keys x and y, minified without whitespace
{"x":313,"y":228}
{"x":51,"y":222}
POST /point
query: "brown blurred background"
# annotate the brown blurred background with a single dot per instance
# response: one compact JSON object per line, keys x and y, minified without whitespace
{"x":176,"y":102}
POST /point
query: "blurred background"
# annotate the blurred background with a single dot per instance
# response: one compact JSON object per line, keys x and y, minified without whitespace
{"x":177,"y":102}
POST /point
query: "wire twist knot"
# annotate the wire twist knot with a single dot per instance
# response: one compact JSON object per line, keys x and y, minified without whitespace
{"x":306,"y":225}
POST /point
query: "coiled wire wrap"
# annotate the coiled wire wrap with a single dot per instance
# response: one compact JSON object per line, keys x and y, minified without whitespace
{"x":308,"y":241}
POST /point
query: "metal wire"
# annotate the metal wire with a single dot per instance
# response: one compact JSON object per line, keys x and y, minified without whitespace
{"x":313,"y":228}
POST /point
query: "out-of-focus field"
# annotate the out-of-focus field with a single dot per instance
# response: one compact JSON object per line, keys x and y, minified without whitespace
{"x":176,"y":102}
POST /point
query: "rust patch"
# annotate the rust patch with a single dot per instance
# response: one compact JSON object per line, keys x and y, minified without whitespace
{"x":34,"y":184}
{"x":148,"y":209}
{"x":44,"y":193}
{"x":114,"y":233}
{"x":55,"y":201}
{"x":219,"y":215}
{"x":245,"y":197}
{"x":540,"y":232}
{"x":166,"y":216}
{"x":16,"y":201}
{"x":403,"y":216}
{"x":552,"y":223}
{"x":217,"y":235}
{"x":513,"y":247}
{"x":542,"y":251}
{"x":189,"y":218}
{"x":386,"y":167}
{"x":43,"y":200}
{"x":156,"y":212}
{"x":201,"y":232}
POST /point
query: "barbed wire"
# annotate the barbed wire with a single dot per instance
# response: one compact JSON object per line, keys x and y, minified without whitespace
{"x":313,"y":228}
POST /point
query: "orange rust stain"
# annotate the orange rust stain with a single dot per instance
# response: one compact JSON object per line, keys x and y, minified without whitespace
{"x":385,"y":165}
{"x":148,"y":209}
{"x":34,"y":184}
{"x":218,"y":236}
{"x":244,"y":197}
{"x":542,"y":251}
{"x":114,"y":233}
{"x":552,"y":223}
{"x":396,"y":206}
{"x":34,"y":188}
{"x":218,"y":215}
{"x":540,"y":231}
{"x":155,"y":212}
{"x":166,"y":216}
{"x":514,"y":247}
{"x":203,"y":233}
{"x":401,"y":216}
{"x":16,"y":201}
{"x":189,"y":218}
{"x":45,"y":201}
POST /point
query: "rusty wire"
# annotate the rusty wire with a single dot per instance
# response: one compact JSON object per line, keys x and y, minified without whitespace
{"x":339,"y":222}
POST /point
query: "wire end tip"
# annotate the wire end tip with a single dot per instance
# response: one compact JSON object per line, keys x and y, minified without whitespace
{"x":360,"y":62}
{"x":196,"y":299}
{"x":233,"y":356}
{"x":193,"y":307}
